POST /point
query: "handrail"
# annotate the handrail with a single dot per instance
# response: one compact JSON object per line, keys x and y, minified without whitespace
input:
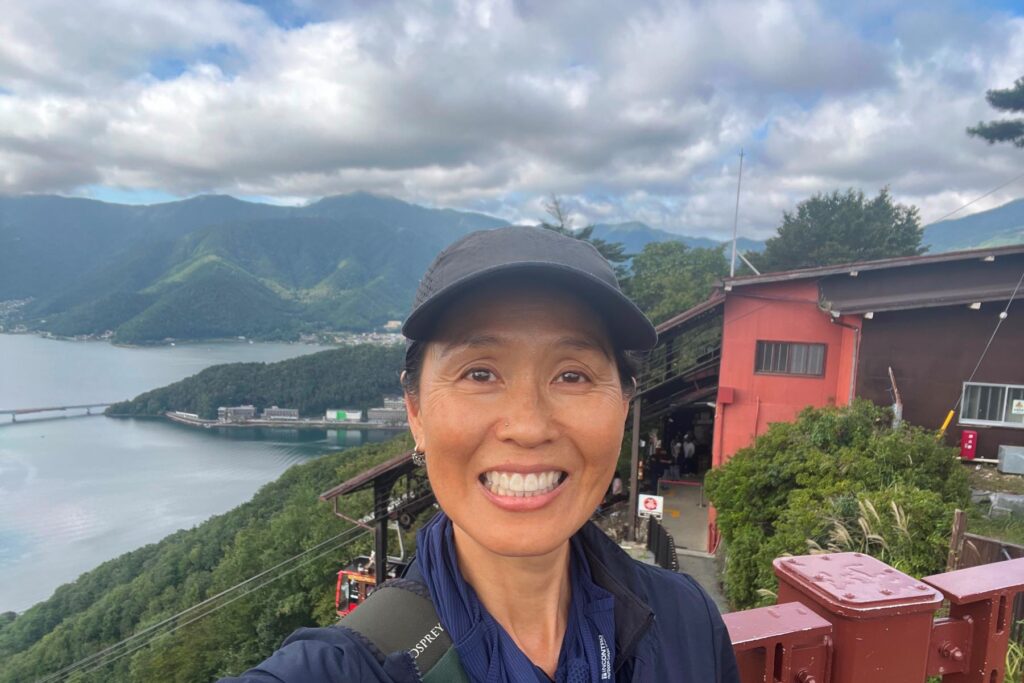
{"x":661,"y":543}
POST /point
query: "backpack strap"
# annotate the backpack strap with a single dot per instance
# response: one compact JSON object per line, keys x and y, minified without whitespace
{"x":399,"y":615}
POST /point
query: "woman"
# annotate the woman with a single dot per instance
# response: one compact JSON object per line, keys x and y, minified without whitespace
{"x":518,"y":382}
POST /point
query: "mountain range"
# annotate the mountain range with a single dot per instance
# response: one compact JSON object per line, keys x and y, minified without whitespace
{"x":996,"y":227}
{"x":214,"y":266}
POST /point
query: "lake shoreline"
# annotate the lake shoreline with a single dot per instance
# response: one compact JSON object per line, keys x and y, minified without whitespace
{"x":76,"y":493}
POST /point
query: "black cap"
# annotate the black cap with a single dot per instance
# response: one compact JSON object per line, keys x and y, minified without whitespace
{"x":531,"y":252}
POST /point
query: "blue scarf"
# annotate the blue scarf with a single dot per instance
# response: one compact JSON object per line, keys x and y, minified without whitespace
{"x":487,"y":653}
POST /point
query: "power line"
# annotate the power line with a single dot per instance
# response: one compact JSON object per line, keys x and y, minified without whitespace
{"x":224,"y":604}
{"x":993,"y":190}
{"x":1002,"y":317}
{"x":348,"y":533}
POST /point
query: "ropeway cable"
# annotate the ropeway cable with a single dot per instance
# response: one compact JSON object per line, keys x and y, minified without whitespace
{"x":1002,"y":318}
{"x":964,"y":206}
{"x":168,"y":632}
{"x":206,"y":601}
{"x":111,"y":656}
{"x":351,"y":534}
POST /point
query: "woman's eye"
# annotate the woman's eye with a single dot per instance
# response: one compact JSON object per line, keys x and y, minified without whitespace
{"x":571,"y":377}
{"x":480,"y":375}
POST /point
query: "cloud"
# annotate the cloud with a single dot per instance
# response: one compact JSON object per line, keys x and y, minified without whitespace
{"x":629,"y":111}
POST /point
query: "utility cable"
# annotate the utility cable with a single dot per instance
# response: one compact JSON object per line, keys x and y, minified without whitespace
{"x":269,"y":581}
{"x":68,"y":669}
{"x":993,"y":190}
{"x":1003,"y":315}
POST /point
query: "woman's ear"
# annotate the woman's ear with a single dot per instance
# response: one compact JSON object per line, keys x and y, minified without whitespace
{"x":412,"y":410}
{"x":628,"y":398}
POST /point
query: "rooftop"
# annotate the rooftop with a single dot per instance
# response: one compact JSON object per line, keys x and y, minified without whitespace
{"x":880,"y":264}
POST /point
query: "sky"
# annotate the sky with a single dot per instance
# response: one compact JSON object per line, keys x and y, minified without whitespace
{"x":625,"y":110}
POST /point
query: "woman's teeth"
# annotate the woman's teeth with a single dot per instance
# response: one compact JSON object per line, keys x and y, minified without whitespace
{"x":521,"y":485}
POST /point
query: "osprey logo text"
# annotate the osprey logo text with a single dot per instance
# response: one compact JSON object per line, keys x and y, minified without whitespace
{"x":429,"y":637}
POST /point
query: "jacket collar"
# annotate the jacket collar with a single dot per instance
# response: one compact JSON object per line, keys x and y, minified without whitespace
{"x":614,"y":571}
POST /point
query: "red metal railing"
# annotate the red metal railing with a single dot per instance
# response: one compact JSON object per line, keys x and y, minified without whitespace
{"x":850,"y":618}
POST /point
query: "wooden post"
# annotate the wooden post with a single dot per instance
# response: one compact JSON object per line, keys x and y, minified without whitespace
{"x":634,"y":484}
{"x":956,"y":540}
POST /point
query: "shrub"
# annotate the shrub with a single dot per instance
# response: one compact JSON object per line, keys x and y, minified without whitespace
{"x":835,"y":479}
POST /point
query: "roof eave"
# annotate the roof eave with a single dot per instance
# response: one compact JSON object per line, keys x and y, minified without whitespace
{"x":863,"y":266}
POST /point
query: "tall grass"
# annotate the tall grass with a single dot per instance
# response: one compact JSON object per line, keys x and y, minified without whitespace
{"x":868,"y":533}
{"x":1015,"y":661}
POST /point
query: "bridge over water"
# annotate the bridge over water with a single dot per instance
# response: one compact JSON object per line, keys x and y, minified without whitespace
{"x":87,"y":407}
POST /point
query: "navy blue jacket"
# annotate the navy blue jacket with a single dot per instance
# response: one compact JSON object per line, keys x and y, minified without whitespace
{"x":666,"y":629}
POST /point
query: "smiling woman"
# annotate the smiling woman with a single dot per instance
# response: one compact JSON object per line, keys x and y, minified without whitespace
{"x":518,"y":381}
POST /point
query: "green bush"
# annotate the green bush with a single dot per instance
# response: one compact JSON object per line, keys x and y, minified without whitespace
{"x":835,"y":479}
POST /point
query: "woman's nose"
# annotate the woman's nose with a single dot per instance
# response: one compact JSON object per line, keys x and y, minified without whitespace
{"x":527,"y":419}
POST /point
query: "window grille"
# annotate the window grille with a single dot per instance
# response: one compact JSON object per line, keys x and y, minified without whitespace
{"x":992,"y":404}
{"x":790,"y":358}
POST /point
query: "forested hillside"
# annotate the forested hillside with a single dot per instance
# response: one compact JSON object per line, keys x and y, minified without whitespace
{"x":347,"y":377}
{"x":634,"y":236}
{"x":996,"y":227}
{"x":144,"y":587}
{"x":215,"y":266}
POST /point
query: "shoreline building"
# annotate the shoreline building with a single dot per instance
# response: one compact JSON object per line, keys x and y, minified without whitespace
{"x":236,"y":413}
{"x":275,"y":413}
{"x":343,"y":415}
{"x":393,"y":412}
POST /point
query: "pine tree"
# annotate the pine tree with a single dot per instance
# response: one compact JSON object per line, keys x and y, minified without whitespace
{"x":614,"y":252}
{"x":1003,"y":130}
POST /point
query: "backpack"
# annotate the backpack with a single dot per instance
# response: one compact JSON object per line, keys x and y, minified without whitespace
{"x":399,"y":615}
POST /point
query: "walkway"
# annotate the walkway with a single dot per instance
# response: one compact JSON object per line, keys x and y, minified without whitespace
{"x":686,"y":518}
{"x":686,"y":513}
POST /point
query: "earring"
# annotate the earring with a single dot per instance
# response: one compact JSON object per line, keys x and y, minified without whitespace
{"x":419,"y":458}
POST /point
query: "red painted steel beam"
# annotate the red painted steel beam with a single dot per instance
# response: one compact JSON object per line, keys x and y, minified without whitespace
{"x":788,"y":643}
{"x":982,"y":598}
{"x":882,"y":618}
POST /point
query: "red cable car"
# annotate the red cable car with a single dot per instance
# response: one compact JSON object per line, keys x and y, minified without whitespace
{"x":357,"y":580}
{"x":354,"y":584}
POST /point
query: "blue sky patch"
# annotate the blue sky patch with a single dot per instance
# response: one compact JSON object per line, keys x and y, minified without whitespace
{"x":118,"y":195}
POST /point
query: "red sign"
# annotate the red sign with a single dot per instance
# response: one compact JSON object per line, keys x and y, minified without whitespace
{"x":650,"y":506}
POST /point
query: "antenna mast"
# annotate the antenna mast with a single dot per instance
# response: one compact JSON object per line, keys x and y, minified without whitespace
{"x":736,"y":218}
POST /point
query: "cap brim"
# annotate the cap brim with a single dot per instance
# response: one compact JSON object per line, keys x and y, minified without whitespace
{"x":629,"y":327}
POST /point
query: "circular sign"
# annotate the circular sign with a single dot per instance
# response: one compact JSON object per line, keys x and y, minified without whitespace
{"x":650,"y":504}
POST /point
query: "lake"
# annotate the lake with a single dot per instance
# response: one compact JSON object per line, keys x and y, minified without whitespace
{"x":78,"y":491}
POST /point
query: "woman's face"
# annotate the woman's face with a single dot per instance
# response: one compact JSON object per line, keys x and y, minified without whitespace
{"x":520,"y":412}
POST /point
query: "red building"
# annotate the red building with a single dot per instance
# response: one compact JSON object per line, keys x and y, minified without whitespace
{"x":764,"y":347}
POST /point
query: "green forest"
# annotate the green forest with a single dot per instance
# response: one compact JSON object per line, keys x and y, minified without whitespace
{"x":216,"y":267}
{"x":140,"y":589}
{"x":347,"y":377}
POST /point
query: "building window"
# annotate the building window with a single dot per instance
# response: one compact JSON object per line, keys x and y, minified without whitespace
{"x":992,"y":404}
{"x":790,"y":358}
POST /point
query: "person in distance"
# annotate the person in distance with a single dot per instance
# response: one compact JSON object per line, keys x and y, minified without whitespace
{"x":518,"y":379}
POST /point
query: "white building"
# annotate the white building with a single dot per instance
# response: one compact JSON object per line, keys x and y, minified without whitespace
{"x":343,"y":415}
